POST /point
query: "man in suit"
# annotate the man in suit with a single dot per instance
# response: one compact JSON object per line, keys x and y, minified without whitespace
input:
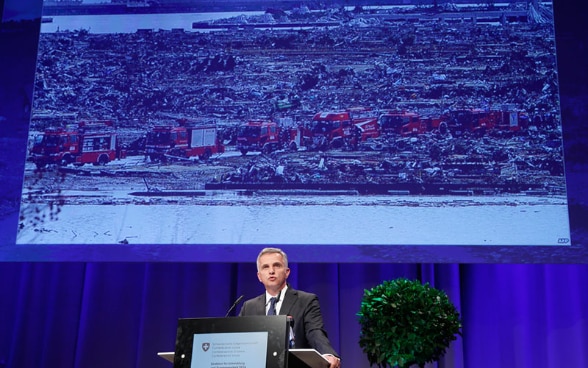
{"x":309,"y":331}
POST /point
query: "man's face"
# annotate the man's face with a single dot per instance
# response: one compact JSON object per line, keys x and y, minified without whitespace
{"x":272,"y":272}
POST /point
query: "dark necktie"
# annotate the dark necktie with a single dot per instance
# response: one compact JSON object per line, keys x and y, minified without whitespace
{"x":272,"y":309}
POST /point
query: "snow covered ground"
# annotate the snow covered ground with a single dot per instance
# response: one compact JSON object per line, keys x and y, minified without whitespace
{"x":103,"y":210}
{"x":282,"y":220}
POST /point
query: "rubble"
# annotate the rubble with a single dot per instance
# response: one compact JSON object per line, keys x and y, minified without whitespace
{"x":429,"y":65}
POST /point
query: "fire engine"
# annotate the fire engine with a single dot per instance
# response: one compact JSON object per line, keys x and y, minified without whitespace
{"x":258,"y":135}
{"x":183,"y":140}
{"x":461,"y":121}
{"x":365,"y":122}
{"x":403,"y":123}
{"x":511,"y":120}
{"x":479,"y":121}
{"x":338,"y":129}
{"x":87,"y":142}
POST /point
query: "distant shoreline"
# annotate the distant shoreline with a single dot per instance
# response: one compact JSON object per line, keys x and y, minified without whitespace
{"x":206,"y":7}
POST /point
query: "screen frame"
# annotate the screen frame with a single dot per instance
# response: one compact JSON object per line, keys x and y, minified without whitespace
{"x":577,"y":252}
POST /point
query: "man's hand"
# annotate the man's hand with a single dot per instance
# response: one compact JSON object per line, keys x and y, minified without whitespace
{"x":335,"y":362}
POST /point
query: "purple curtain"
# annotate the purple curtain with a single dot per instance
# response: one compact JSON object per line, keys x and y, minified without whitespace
{"x":122,"y":314}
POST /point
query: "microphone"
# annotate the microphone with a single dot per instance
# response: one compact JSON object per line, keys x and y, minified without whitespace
{"x":291,"y":337}
{"x":234,"y":305}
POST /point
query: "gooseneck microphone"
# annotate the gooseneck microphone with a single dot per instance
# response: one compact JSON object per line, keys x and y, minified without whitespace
{"x":234,"y":305}
{"x":291,"y":337}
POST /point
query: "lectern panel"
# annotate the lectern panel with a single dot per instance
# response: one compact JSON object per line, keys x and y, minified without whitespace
{"x":234,"y":342}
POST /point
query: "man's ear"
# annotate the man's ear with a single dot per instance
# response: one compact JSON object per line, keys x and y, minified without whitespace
{"x":259,"y":277}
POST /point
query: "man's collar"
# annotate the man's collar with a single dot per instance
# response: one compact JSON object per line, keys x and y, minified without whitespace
{"x":280,"y":294}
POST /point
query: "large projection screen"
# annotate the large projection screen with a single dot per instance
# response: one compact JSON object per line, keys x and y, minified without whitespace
{"x":404,"y":131}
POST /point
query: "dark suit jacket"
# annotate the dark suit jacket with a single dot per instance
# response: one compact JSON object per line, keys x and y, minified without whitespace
{"x":309,"y":331}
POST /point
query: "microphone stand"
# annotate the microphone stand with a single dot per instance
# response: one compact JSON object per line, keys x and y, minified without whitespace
{"x":234,"y":305}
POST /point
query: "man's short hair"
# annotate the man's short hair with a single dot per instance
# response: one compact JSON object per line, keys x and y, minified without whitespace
{"x":273,"y":250}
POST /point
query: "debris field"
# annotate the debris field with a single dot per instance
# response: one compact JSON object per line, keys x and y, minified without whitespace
{"x":375,"y":59}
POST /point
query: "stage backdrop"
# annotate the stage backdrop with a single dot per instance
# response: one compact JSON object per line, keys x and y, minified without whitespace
{"x":122,"y":314}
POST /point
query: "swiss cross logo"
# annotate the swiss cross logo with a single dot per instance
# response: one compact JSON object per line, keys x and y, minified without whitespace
{"x":205,"y":346}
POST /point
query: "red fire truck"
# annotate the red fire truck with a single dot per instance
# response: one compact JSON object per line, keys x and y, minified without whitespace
{"x":403,"y":123}
{"x":183,"y":140}
{"x":461,"y":121}
{"x":258,"y":135}
{"x":365,"y":122}
{"x":480,"y":121}
{"x":338,"y":129}
{"x":511,"y":120}
{"x":87,"y":142}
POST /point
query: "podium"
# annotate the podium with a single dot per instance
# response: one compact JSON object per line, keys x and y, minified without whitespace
{"x":306,"y":358}
{"x":249,"y":341}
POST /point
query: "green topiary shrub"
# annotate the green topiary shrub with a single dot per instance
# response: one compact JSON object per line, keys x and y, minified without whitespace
{"x":405,"y":322}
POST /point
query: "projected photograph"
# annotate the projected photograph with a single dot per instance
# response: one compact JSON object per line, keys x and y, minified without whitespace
{"x":296,"y":122}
